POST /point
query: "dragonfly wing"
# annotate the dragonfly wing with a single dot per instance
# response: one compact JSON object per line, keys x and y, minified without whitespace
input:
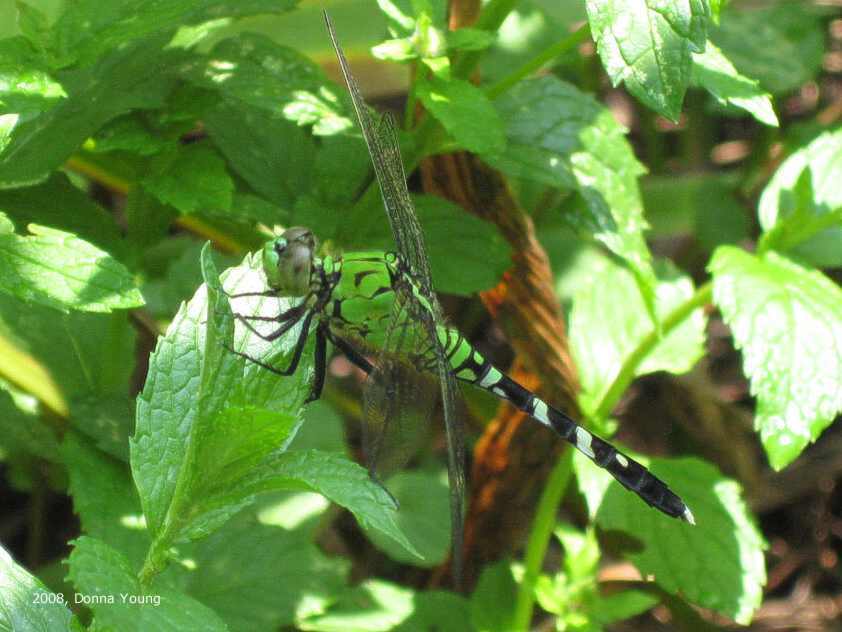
{"x":398,"y":399}
{"x":382,"y":140}
{"x":411,"y":363}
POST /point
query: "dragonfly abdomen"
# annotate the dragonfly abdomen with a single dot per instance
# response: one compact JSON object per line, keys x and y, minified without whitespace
{"x":469,"y":366}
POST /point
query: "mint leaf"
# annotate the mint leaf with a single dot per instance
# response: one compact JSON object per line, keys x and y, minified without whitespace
{"x":787,"y":321}
{"x":621,"y":331}
{"x":128,"y":78}
{"x":191,"y":178}
{"x":374,"y":606}
{"x":87,"y":28}
{"x":102,"y":573}
{"x":26,"y":603}
{"x":810,"y":218}
{"x":59,"y":270}
{"x":717,"y":564}
{"x":273,"y":155}
{"x":336,"y":478}
{"x":238,"y":570}
{"x":424,"y":518}
{"x":26,"y":86}
{"x":713,"y":71}
{"x":648,"y":47}
{"x":57,"y":203}
{"x":465,"y":112}
{"x":563,"y":138}
{"x":105,"y":499}
{"x":780,"y":45}
{"x":484,"y":255}
{"x":492,"y":607}
{"x":469,"y":39}
{"x":22,"y":430}
{"x":280,"y":81}
{"x":206,"y":417}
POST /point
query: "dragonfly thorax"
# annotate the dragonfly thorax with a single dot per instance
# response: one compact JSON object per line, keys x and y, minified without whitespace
{"x":288,"y":261}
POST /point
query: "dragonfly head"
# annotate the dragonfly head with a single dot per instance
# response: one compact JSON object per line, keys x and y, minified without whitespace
{"x":288,"y":261}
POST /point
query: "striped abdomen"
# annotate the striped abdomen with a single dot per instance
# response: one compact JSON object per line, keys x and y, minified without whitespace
{"x":469,"y":366}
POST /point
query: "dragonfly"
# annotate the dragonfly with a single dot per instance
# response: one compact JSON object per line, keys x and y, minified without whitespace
{"x":376,"y":307}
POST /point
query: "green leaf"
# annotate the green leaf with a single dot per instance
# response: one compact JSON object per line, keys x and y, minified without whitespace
{"x":238,"y":570}
{"x":274,"y":156}
{"x":469,"y":39}
{"x":87,"y":28}
{"x":57,"y":203}
{"x":26,"y":86}
{"x":131,"y":133}
{"x":104,"y":575}
{"x":713,"y":71}
{"x":424,"y":517}
{"x":483,"y":254}
{"x":465,"y":112}
{"x":717,"y":564}
{"x":26,"y":603}
{"x":22,"y":430}
{"x":339,"y":480}
{"x":7,"y":227}
{"x":703,"y":204}
{"x":810,"y":221}
{"x":206,"y":417}
{"x":648,"y":47}
{"x":493,"y":600}
{"x":59,"y":270}
{"x":397,"y":50}
{"x":85,"y":352}
{"x":563,"y":138}
{"x":276,"y":79}
{"x":620,"y":332}
{"x":128,"y":78}
{"x":437,"y":610}
{"x":373,"y":606}
{"x":622,"y":605}
{"x":581,"y":552}
{"x":780,"y":45}
{"x":105,"y":499}
{"x":191,"y":178}
{"x":787,"y":321}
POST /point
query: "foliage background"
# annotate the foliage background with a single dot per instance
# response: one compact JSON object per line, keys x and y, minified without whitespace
{"x":664,"y":178}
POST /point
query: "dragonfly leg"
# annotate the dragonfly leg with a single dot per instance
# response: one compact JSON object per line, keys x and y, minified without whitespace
{"x":296,"y":354}
{"x":352,"y":354}
{"x":321,"y":366}
{"x":289,"y":319}
{"x":269,"y":292}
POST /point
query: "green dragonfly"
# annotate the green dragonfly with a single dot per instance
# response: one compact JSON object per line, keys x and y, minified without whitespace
{"x":380,"y":310}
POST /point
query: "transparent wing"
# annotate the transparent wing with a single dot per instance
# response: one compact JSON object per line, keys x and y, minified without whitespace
{"x":382,"y":141}
{"x":381,"y":138}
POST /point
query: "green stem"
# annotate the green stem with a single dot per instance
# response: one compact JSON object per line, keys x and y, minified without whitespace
{"x":154,"y":562}
{"x":537,"y":62}
{"x":539,"y":538}
{"x":628,"y":371}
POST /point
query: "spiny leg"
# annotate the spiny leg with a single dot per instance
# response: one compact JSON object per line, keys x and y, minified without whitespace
{"x":288,"y":319}
{"x":269,"y":292}
{"x":320,"y":356}
{"x":296,"y":355}
{"x":352,"y":354}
